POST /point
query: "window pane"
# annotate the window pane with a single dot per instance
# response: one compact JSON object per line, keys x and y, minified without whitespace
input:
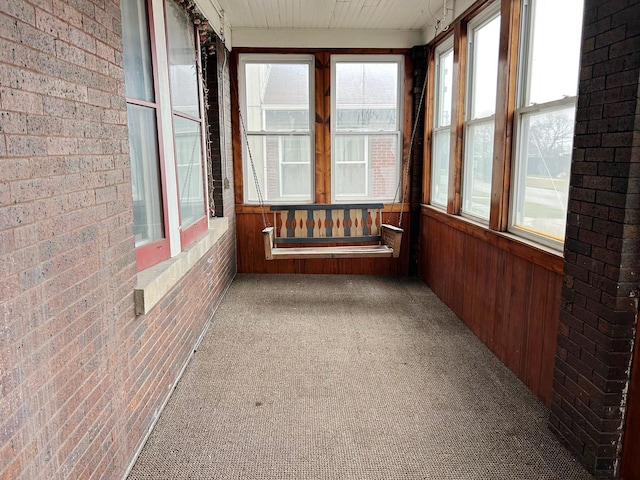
{"x":282,"y":166}
{"x":182,"y":61}
{"x":445,"y":83}
{"x":138,"y":73}
{"x":366,"y":96}
{"x":366,"y":165}
{"x":476,"y":188}
{"x":484,"y":69}
{"x":440,"y":167}
{"x":295,"y":166}
{"x":555,"y":50}
{"x":544,"y":170}
{"x":145,"y":174}
{"x":277,"y":86}
{"x":189,"y":164}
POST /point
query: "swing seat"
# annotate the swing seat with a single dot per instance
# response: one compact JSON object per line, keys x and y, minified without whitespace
{"x":312,"y":231}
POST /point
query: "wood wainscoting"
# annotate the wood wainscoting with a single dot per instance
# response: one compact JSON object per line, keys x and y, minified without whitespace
{"x":251,"y":258}
{"x":507,"y":292}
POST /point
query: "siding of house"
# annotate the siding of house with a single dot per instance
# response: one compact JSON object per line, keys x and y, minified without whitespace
{"x":82,"y":378}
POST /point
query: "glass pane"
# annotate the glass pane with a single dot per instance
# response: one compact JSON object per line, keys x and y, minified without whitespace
{"x":555,"y":50}
{"x":366,"y":166}
{"x":277,"y":86}
{"x":145,"y":175}
{"x":484,"y":69}
{"x":189,"y":164}
{"x":285,"y":119}
{"x":182,"y":61}
{"x":138,"y":73}
{"x":366,"y":96}
{"x":542,"y":185}
{"x":440,"y":167}
{"x":295,"y":166}
{"x":476,"y":188}
{"x":282,"y":166}
{"x":445,"y":84}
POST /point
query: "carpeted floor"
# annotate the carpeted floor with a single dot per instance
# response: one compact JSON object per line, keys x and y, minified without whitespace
{"x":348,"y":377}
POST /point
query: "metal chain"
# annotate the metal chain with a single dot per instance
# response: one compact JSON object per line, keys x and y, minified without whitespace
{"x":407,"y":163}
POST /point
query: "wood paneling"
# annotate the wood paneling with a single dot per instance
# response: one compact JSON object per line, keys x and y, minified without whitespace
{"x":251,"y":259}
{"x":506,"y":292}
{"x":630,"y":468}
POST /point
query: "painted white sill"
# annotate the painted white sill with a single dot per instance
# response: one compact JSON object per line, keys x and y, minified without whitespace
{"x":154,"y":282}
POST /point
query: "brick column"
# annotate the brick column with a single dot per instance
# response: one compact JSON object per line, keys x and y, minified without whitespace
{"x":599,"y":299}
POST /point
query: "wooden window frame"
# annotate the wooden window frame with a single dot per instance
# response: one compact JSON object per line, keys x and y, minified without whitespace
{"x":278,"y":58}
{"x":322,"y":126}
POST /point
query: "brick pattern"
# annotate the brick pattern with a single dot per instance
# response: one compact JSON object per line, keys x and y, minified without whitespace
{"x":81,"y":377}
{"x":602,"y":249}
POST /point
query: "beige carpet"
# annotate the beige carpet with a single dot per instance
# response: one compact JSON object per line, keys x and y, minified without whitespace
{"x":348,"y":377}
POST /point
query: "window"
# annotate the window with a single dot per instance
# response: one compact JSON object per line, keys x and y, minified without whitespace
{"x":441,"y":124}
{"x":482,"y":76}
{"x":366,"y":137}
{"x":165,"y":138}
{"x":545,"y":117}
{"x":278,"y":117}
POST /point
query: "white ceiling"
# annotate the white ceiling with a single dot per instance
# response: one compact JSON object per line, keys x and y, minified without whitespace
{"x":330,"y":23}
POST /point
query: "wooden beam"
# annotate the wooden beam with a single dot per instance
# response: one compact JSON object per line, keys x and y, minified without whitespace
{"x":457,"y":117}
{"x":506,"y":101}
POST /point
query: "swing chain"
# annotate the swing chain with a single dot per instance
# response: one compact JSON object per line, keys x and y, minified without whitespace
{"x":404,"y":176}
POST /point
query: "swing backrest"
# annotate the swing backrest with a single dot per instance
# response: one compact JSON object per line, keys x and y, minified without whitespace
{"x":327,"y":223}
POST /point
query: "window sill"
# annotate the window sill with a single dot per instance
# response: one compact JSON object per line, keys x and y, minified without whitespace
{"x":154,"y":282}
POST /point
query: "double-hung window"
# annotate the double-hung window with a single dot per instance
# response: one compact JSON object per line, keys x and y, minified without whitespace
{"x":482,"y":76}
{"x":366,"y":118}
{"x":544,"y":118}
{"x":441,"y":139}
{"x":164,"y":114}
{"x":276,"y":93}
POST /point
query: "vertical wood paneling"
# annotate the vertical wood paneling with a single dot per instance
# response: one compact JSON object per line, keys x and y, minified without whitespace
{"x":508,"y":300}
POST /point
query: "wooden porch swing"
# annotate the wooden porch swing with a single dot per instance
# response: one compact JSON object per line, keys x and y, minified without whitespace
{"x":333,"y":230}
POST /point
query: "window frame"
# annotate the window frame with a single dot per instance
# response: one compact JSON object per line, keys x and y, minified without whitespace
{"x":476,"y":23}
{"x":245,"y":133}
{"x":442,"y":49}
{"x":195,"y":229}
{"x":175,"y":238}
{"x":522,"y":109}
{"x":399,"y":61}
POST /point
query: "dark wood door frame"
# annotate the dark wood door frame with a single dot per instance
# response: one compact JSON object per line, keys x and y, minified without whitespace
{"x":630,"y":465}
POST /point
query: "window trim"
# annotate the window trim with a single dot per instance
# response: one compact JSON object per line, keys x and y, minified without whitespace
{"x":399,"y":60}
{"x":522,"y":109}
{"x":247,"y":174}
{"x":194,"y":230}
{"x":175,"y":240}
{"x":440,"y":51}
{"x":479,"y":21}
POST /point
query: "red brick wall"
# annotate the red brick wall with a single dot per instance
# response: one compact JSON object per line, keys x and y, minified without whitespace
{"x":81,"y":377}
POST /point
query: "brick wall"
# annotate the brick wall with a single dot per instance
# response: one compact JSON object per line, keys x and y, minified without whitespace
{"x":602,"y":249}
{"x":81,"y":377}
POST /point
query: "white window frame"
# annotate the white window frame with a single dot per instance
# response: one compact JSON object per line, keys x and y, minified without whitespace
{"x":523,"y":109}
{"x":248,"y":179}
{"x":441,"y":50}
{"x":477,"y":23}
{"x":366,"y":134}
